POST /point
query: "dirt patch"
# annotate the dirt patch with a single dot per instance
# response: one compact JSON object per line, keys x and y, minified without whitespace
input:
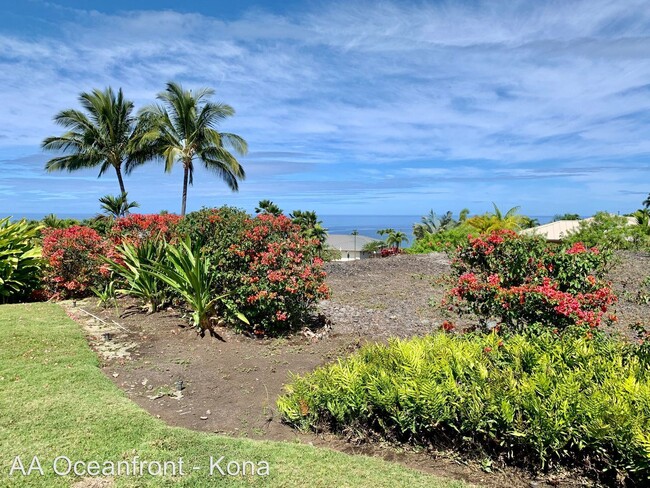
{"x":230,"y":384}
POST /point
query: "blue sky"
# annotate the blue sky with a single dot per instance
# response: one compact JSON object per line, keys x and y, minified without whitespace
{"x":349,"y":107}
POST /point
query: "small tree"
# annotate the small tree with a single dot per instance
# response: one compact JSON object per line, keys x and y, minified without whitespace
{"x":118,"y":206}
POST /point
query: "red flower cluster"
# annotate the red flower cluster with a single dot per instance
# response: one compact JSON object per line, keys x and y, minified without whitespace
{"x":74,"y":257}
{"x":521,"y":282}
{"x":136,"y":228}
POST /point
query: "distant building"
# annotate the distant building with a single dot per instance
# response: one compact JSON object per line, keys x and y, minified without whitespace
{"x":560,"y":229}
{"x":348,"y":247}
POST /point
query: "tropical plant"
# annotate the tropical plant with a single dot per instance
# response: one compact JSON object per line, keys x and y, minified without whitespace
{"x":609,"y":231}
{"x":432,"y":224}
{"x":134,"y":264}
{"x":445,"y":241}
{"x":523,"y":285}
{"x":489,"y":222}
{"x":106,"y":295}
{"x":20,"y":260}
{"x":118,"y":206}
{"x":53,"y":222}
{"x":186,"y":271}
{"x":538,"y":401}
{"x":646,"y":202}
{"x":184,"y":129}
{"x":267,"y":206}
{"x":106,"y":135}
{"x":395,"y":239}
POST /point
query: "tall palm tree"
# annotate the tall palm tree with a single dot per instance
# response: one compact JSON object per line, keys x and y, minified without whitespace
{"x":646,"y":202}
{"x":184,"y":129}
{"x":104,"y":134}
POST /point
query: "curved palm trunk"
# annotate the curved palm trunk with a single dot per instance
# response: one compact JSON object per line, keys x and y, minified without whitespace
{"x":118,"y":170}
{"x":186,"y":173}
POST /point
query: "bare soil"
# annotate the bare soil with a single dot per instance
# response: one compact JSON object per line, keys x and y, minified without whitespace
{"x":230,"y":383}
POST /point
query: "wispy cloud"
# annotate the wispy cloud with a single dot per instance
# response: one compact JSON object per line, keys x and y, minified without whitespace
{"x":388,"y":103}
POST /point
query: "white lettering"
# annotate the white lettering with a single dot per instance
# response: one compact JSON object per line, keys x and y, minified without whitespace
{"x":216,"y":465}
{"x":57,"y":470}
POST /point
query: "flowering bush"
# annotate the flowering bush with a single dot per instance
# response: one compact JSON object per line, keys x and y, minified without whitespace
{"x":519,"y":281}
{"x":275,"y":274}
{"x":137,"y":228}
{"x":389,"y":251}
{"x":271,"y":272}
{"x":74,"y":258}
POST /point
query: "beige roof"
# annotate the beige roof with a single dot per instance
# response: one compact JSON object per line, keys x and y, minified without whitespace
{"x":344,"y":242}
{"x":556,"y":231}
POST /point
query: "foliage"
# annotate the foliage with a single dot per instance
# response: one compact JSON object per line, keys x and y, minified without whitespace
{"x":446,"y":240}
{"x":106,"y":295}
{"x":100,"y":223}
{"x":20,"y":263}
{"x":610,"y":232}
{"x":274,"y":275}
{"x":489,"y":222}
{"x":520,"y":282}
{"x":267,"y":206}
{"x":311,"y":227}
{"x":138,"y":228}
{"x":390,"y":251}
{"x":186,"y":271}
{"x":537,"y":401}
{"x":75,"y":258}
{"x":135,"y":264}
{"x":373,"y":246}
{"x":118,"y":206}
{"x":53,"y":222}
{"x":106,"y":135}
{"x":566,"y":216}
{"x":432,"y":224}
{"x":183,"y":129}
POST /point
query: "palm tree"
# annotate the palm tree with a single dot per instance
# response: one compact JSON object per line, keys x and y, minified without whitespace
{"x":497,"y":220}
{"x":646,"y":202}
{"x":355,"y":233}
{"x":267,"y":206}
{"x":117,"y":206}
{"x":395,"y":239}
{"x":105,"y":134}
{"x":184,"y":129}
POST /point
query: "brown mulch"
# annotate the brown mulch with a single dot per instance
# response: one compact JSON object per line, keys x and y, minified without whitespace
{"x":231,"y":383}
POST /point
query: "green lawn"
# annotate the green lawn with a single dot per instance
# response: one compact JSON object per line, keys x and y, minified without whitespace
{"x":54,"y":401}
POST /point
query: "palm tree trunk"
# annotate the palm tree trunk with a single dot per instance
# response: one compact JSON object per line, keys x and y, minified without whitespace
{"x":186,"y":172}
{"x":119,"y":179}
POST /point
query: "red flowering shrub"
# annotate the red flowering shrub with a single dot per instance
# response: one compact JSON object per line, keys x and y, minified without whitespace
{"x":74,"y":258}
{"x":271,"y":272}
{"x":136,"y":228}
{"x":390,"y":251}
{"x":520,"y":281}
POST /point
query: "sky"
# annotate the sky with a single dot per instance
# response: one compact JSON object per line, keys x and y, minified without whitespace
{"x":371,"y":108}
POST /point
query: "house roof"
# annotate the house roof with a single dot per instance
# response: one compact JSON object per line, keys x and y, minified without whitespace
{"x":560,"y":229}
{"x":345,"y":242}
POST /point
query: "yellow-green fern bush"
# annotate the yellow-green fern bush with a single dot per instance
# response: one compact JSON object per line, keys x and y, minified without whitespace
{"x":20,"y":260}
{"x":539,"y":401}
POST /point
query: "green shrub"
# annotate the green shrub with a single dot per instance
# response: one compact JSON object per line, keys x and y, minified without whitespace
{"x":446,"y":240}
{"x":20,"y":260}
{"x":610,"y":232}
{"x":535,"y":401}
{"x":266,"y":268}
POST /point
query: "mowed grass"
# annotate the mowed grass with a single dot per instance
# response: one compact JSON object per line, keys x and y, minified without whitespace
{"x":55,"y":401}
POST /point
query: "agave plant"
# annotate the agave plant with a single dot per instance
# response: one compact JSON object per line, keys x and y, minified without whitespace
{"x":135,"y":268}
{"x":186,"y":271}
{"x":20,"y":259}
